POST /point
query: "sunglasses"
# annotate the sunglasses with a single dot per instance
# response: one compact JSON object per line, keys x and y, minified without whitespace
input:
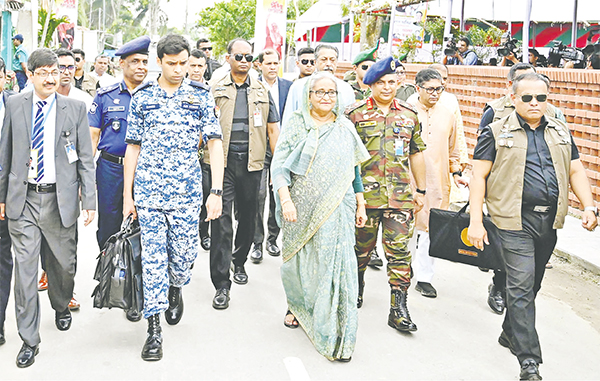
{"x":77,"y":59}
{"x":239,"y":57}
{"x":529,"y":97}
{"x":65,"y":67}
{"x":365,"y":67}
{"x":206,"y":48}
{"x":305,"y":62}
{"x":431,"y":90}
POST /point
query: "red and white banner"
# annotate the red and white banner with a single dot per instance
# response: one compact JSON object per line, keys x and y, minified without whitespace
{"x":269,"y":29}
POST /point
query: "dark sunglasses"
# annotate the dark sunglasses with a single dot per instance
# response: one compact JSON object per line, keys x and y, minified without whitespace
{"x":77,"y":59}
{"x":206,"y":48}
{"x":365,"y":67}
{"x":64,"y":67}
{"x":239,"y":57}
{"x":539,"y":97}
{"x":305,"y":62}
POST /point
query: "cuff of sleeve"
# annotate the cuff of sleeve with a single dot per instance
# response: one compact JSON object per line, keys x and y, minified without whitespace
{"x":135,"y":142}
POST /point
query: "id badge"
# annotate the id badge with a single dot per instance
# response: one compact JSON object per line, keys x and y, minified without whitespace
{"x":399,"y":147}
{"x":71,"y":153}
{"x":257,"y":118}
{"x":33,"y":163}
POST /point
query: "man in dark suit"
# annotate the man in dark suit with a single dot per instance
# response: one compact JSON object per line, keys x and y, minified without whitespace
{"x":6,"y":262}
{"x":46,"y":167}
{"x":270,"y":63}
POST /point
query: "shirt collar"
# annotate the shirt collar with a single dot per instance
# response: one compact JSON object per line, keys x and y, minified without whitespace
{"x":245,"y":84}
{"x":525,"y":125}
{"x":47,"y":100}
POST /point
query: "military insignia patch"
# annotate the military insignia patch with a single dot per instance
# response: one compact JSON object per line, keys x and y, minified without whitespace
{"x":367,"y":124}
{"x":217,"y":112}
{"x":93,"y":108}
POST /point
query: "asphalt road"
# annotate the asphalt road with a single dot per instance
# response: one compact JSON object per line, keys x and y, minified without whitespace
{"x":457,"y":336}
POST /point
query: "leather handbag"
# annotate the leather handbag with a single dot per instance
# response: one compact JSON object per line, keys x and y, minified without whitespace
{"x":448,"y":239}
{"x":119,"y":270}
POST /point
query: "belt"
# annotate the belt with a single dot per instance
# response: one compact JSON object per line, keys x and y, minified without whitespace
{"x":42,"y":188}
{"x":112,"y":158}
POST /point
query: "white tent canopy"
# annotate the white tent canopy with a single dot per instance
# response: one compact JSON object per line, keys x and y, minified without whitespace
{"x":323,"y":13}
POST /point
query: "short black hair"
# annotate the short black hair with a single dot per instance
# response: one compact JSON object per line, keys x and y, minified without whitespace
{"x":101,"y":56}
{"x":427,"y":75}
{"x":2,"y":67}
{"x":534,"y":52}
{"x":326,"y":46}
{"x":40,"y":58}
{"x":198,"y":54}
{"x":529,"y":77}
{"x":261,"y":56}
{"x":171,"y":44}
{"x":201,"y":41}
{"x":232,"y":42}
{"x":64,"y":52}
{"x":466,"y":41}
{"x":80,"y":52}
{"x":512,"y":73}
{"x":595,"y":61}
{"x":305,"y":50}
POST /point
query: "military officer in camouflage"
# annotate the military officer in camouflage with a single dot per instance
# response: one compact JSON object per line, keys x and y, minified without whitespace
{"x":361,"y":63}
{"x":391,"y":132}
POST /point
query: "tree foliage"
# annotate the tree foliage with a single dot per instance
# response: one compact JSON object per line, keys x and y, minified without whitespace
{"x":228,"y":20}
{"x":52,"y":25}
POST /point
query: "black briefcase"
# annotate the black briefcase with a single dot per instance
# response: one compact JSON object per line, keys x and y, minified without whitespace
{"x":448,"y":240}
{"x":119,"y":270}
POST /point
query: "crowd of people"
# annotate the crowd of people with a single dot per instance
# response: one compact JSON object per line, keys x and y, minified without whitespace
{"x":203,"y":145}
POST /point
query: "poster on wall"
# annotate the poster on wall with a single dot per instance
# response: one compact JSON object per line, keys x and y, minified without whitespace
{"x":407,"y":24}
{"x":66,"y":31}
{"x":269,"y":30}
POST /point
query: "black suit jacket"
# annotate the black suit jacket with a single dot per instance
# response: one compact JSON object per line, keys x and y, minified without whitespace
{"x":284,"y":89}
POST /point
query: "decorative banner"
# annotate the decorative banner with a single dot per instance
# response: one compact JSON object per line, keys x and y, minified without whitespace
{"x":407,"y":23}
{"x":269,"y":32}
{"x":66,"y":31}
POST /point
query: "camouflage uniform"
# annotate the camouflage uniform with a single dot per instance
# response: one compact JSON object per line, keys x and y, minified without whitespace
{"x":168,"y":181}
{"x":359,"y":93}
{"x":390,"y":140}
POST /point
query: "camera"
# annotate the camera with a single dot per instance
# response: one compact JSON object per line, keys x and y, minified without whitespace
{"x":509,"y":47}
{"x":560,"y":51}
{"x":450,"y":49}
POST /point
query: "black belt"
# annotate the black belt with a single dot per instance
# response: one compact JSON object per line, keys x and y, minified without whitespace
{"x":42,"y":188}
{"x":112,"y":158}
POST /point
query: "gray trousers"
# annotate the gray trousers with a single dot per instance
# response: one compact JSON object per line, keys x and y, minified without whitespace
{"x":526,"y":253}
{"x":40,"y":226}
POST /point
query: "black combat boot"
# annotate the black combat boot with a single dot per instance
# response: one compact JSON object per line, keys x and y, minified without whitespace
{"x":175,"y":311}
{"x":399,"y":317}
{"x":152,"y":350}
{"x":361,"y":288}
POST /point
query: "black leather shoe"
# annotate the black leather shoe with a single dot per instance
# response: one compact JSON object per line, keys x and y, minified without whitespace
{"x":152,"y":350}
{"x":505,"y":342}
{"x":399,"y":317}
{"x":133,"y":315}
{"x":221,"y":299}
{"x":272,"y":249}
{"x":2,"y":339}
{"x":375,"y":262}
{"x":495,"y":300}
{"x":174,"y":313}
{"x":205,"y":243}
{"x":426,"y":289}
{"x":256,"y":256}
{"x":26,"y":356}
{"x":239,"y":275}
{"x":63,"y":320}
{"x":529,"y":370}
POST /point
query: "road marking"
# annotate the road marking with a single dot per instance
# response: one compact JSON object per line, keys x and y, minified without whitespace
{"x":296,"y":369}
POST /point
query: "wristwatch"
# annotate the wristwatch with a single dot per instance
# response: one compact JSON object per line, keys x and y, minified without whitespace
{"x":217,"y":192}
{"x":592,"y":208}
{"x":422,"y":191}
{"x":459,"y":173}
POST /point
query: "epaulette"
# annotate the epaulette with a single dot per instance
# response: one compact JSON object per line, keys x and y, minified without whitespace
{"x":200,"y":85}
{"x":354,"y":106}
{"x":143,"y":86}
{"x":406,"y":105}
{"x":107,"y":89}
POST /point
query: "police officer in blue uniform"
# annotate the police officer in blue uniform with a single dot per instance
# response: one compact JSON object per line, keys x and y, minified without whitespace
{"x":108,"y":126}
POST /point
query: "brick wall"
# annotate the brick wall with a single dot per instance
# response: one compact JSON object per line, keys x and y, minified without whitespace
{"x":575,"y":92}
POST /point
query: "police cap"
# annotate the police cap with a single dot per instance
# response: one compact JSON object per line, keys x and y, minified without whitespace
{"x":379,"y":69}
{"x":137,"y":46}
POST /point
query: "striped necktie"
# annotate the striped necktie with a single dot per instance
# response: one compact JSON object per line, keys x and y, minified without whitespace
{"x":37,"y":140}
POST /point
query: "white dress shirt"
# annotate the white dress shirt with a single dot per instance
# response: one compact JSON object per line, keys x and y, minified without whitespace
{"x":274,"y":90}
{"x":49,"y":137}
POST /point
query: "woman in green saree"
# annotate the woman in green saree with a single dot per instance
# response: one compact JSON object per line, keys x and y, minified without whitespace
{"x":319,"y":202}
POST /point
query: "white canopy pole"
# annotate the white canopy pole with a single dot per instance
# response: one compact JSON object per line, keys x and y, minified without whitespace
{"x":391,"y":31}
{"x":526,"y":23}
{"x":574,"y":27}
{"x":462,"y":15}
{"x":448,"y":24}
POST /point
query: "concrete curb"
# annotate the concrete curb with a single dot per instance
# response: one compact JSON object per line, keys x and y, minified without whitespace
{"x":577,"y":261}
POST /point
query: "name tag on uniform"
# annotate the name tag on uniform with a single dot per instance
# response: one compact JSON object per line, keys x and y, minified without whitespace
{"x":153,"y":106}
{"x":71,"y":153}
{"x":399,"y":147}
{"x":190,"y":106}
{"x":116,"y":108}
{"x":257,"y":118}
{"x":33,"y":164}
{"x":370,"y":123}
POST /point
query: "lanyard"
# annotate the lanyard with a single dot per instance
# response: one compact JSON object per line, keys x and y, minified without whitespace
{"x":45,"y":116}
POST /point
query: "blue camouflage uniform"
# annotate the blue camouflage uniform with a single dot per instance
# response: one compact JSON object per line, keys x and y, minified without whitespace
{"x":168,"y":181}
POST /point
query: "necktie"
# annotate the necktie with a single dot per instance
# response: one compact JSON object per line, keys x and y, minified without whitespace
{"x":37,"y":140}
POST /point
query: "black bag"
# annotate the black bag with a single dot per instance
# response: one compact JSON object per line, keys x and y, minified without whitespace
{"x":448,"y":237}
{"x":119,"y":270}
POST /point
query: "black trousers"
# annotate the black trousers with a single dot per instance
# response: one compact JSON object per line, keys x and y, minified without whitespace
{"x":273,"y":228}
{"x":206,"y":184}
{"x":6,"y":267}
{"x":499,"y":280}
{"x":526,"y":253}
{"x":239,"y":186}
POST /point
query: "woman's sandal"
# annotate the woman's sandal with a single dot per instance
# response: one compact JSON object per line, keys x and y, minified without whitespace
{"x":294,"y":323}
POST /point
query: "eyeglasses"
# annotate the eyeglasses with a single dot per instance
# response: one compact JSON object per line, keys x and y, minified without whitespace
{"x":239,"y":57}
{"x":365,"y":67}
{"x":77,"y":59}
{"x":431,"y":90}
{"x":206,"y":48}
{"x":305,"y":62}
{"x":321,"y":94}
{"x":65,"y":67}
{"x":529,"y":97}
{"x":45,"y":74}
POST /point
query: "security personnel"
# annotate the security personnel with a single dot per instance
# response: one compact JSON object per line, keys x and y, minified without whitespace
{"x":494,"y":111}
{"x":108,"y":126}
{"x":523,"y":165}
{"x":361,"y":63}
{"x":248,"y":115}
{"x":391,"y":131}
{"x":167,"y":120}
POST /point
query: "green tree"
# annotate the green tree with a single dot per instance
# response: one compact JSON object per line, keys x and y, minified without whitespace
{"x":52,"y":25}
{"x":228,"y":20}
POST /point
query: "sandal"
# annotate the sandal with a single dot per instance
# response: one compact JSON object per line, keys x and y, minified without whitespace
{"x":294,"y":323}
